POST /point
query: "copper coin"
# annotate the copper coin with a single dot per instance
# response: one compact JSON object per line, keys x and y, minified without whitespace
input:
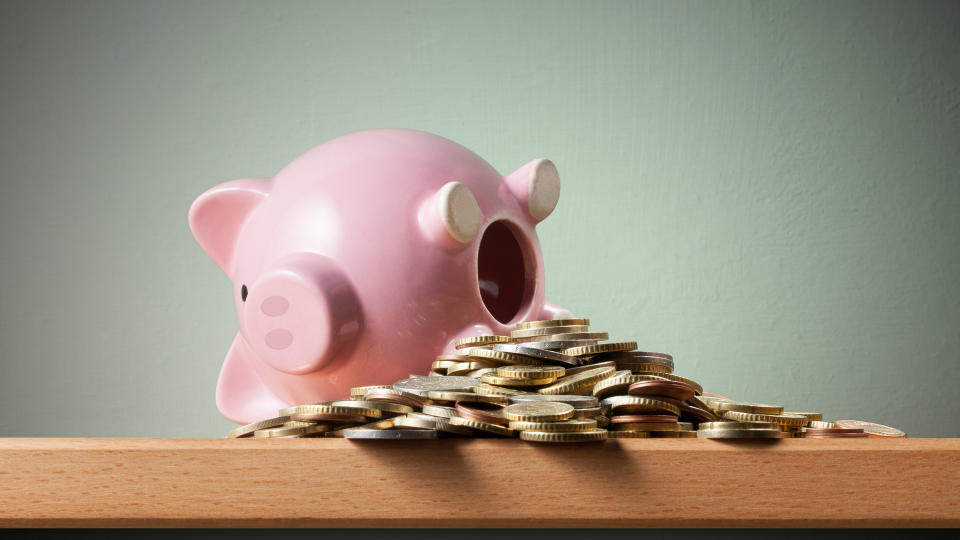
{"x":491,"y":413}
{"x":670,"y":389}
{"x":696,"y":413}
{"x":391,"y":396}
{"x":828,"y":431}
{"x":874,"y":430}
{"x":330,"y":417}
{"x":630,"y":418}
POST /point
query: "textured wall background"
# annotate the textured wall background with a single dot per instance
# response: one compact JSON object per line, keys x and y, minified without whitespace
{"x":770,"y":191}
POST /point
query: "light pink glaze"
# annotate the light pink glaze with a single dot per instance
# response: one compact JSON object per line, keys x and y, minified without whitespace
{"x":362,"y":262}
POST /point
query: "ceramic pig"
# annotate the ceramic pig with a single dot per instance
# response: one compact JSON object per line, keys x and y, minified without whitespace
{"x":366,"y":257}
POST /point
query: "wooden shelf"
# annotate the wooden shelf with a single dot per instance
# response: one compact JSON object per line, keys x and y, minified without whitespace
{"x":478,"y":482}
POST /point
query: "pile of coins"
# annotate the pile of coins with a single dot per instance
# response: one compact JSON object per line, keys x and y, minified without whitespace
{"x":549,"y":381}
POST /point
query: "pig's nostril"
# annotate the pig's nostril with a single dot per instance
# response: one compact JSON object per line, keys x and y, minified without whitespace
{"x":279,"y":339}
{"x":275,"y":306}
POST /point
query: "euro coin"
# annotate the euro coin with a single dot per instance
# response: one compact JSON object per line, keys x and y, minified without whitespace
{"x":580,"y":381}
{"x":291,"y":431}
{"x":638,"y":405}
{"x":450,"y":397}
{"x":671,"y":389}
{"x":628,"y":435}
{"x":812,"y":416}
{"x":247,"y":430}
{"x":476,"y":341}
{"x":491,"y":413}
{"x":505,"y":357}
{"x":782,"y":419}
{"x":515,"y":382}
{"x":558,"y":345}
{"x":552,"y":323}
{"x":440,"y":411}
{"x":383,"y":406}
{"x":747,"y":407}
{"x":562,"y":426}
{"x":573,"y":436}
{"x":595,"y":336}
{"x":394,"y":396}
{"x":530,"y":372}
{"x":423,"y":385}
{"x":589,"y":366}
{"x":876,"y":430}
{"x":539,"y":354}
{"x":820,"y":424}
{"x":483,"y":427}
{"x":485,"y":389}
{"x":575,"y":401}
{"x":357,"y":392}
{"x":602,"y":348}
{"x":547,"y":331}
{"x":544,"y":411}
{"x":738,"y":433}
{"x":423,"y":421}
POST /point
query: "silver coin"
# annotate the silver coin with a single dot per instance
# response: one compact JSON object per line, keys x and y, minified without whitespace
{"x":440,"y":411}
{"x":560,"y":345}
{"x":423,"y":385}
{"x":425,"y":421}
{"x":635,"y":357}
{"x":738,"y":434}
{"x":541,"y":354}
{"x":588,"y":367}
{"x":578,"y":402}
{"x":357,"y":433}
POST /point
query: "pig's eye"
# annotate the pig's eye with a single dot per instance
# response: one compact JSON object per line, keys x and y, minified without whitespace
{"x":243,"y":293}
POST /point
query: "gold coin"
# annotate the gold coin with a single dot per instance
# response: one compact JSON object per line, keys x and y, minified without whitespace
{"x":599,"y":348}
{"x":453,"y":396}
{"x":572,"y":436}
{"x":511,"y":381}
{"x":325,"y":408}
{"x":619,"y":383}
{"x":580,"y":381}
{"x":730,"y":424}
{"x":553,"y":322}
{"x":477,"y":341}
{"x":547,"y":331}
{"x":597,"y":336}
{"x":459,"y":368}
{"x":588,"y":367}
{"x":629,"y":434}
{"x":647,"y":369}
{"x":812,"y":416}
{"x":504,"y":357}
{"x":748,"y":407}
{"x":485,"y":389}
{"x":287,"y":431}
{"x":385,"y":406}
{"x":383,"y":423}
{"x":633,"y":404}
{"x":482,"y":371}
{"x":360,"y":391}
{"x":531,"y":372}
{"x":482,"y":426}
{"x":591,"y":412}
{"x":538,"y":411}
{"x":247,"y":430}
{"x":781,"y":419}
{"x":562,"y":426}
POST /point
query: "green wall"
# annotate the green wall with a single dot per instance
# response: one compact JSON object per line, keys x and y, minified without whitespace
{"x":770,"y":191}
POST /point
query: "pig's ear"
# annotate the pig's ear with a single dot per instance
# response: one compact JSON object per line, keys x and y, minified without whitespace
{"x":537,"y":186}
{"x":451,"y":217}
{"x":217,"y":216}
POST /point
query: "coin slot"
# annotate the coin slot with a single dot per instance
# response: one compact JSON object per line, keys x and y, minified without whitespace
{"x":505,"y":273}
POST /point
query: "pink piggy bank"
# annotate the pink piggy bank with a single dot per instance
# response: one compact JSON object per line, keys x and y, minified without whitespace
{"x":366,"y":257}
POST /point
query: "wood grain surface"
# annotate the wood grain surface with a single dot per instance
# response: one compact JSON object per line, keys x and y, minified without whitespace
{"x":478,"y":483}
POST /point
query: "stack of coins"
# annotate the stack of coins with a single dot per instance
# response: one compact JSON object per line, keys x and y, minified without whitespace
{"x":549,"y":381}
